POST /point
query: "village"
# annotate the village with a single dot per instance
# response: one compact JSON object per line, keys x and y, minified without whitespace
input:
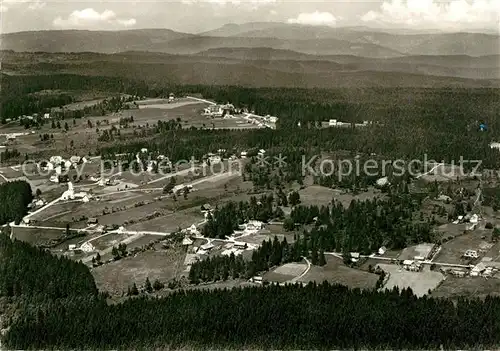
{"x":128,"y":227}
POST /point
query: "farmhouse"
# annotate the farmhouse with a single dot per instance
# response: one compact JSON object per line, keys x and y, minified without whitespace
{"x":87,"y":247}
{"x":207,"y":246}
{"x":411,"y":265}
{"x":471,"y":254}
{"x":187,"y":242}
{"x":56,"y":160}
{"x":382,"y":182}
{"x":477,"y":269}
{"x":206,"y":207}
{"x":495,"y":145}
{"x":240,"y":245}
{"x":256,"y":279}
{"x":91,"y":221}
{"x":75,"y":159}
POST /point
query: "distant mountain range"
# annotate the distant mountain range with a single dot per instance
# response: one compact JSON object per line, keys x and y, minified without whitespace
{"x":314,"y":40}
{"x":267,"y":54}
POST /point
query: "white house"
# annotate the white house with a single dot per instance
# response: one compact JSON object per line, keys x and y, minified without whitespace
{"x":71,"y":247}
{"x":273,"y":119}
{"x":75,"y":159}
{"x":56,"y":160}
{"x":474,"y":218}
{"x":383,"y":181}
{"x":471,"y":254}
{"x":46,"y":116}
{"x":207,"y":246}
{"x":332,"y":122}
{"x":477,"y":269}
{"x":144,"y":150}
{"x":382,"y":250}
{"x":240,"y":245}
{"x":187,"y":242}
{"x":256,"y":279}
{"x":54,"y":178}
{"x":87,"y":247}
{"x":243,"y":154}
{"x":215,"y":159}
{"x":411,"y":265}
{"x":67,"y":164}
{"x":495,"y":145}
{"x":253,"y":225}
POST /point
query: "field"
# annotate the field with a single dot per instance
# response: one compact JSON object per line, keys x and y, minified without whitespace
{"x":143,"y":241}
{"x":452,"y":251}
{"x":37,"y":236}
{"x":189,"y":111}
{"x":472,"y":287}
{"x":411,"y":252}
{"x":259,"y":238}
{"x":116,"y":277}
{"x":170,"y":222}
{"x":336,"y":272}
{"x":103,"y":242}
{"x":285,"y":273}
{"x":319,"y":195}
{"x":419,"y":282}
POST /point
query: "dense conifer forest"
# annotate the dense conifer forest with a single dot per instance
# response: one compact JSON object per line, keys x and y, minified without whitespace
{"x":408,"y":123}
{"x":15,"y":197}
{"x":289,"y":317}
{"x":28,"y":271}
{"x":270,"y":254}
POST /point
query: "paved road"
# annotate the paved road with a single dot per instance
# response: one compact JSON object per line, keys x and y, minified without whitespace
{"x":201,"y":100}
{"x":109,"y":249}
{"x":393,"y":259}
{"x":432,"y":170}
{"x":179,"y":173}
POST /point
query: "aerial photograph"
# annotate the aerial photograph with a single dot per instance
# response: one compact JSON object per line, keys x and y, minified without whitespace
{"x":250,"y":175}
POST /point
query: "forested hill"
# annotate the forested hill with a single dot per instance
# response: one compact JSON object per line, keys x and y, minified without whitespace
{"x":14,"y":199}
{"x":59,"y":308}
{"x":27,"y":271}
{"x":290,"y":317}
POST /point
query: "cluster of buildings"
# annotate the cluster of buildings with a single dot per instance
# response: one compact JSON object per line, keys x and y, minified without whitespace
{"x":337,"y":123}
{"x":231,"y":246}
{"x":412,"y":265}
{"x":217,"y":111}
{"x":59,"y":164}
{"x":479,"y":270}
{"x":471,"y":219}
{"x":70,"y":194}
{"x":266,"y":121}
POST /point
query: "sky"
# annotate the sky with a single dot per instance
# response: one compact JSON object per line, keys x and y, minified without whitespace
{"x":195,"y":16}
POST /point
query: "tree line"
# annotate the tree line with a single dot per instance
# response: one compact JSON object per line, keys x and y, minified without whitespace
{"x":270,"y":254}
{"x":226,"y":219}
{"x":364,"y":226}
